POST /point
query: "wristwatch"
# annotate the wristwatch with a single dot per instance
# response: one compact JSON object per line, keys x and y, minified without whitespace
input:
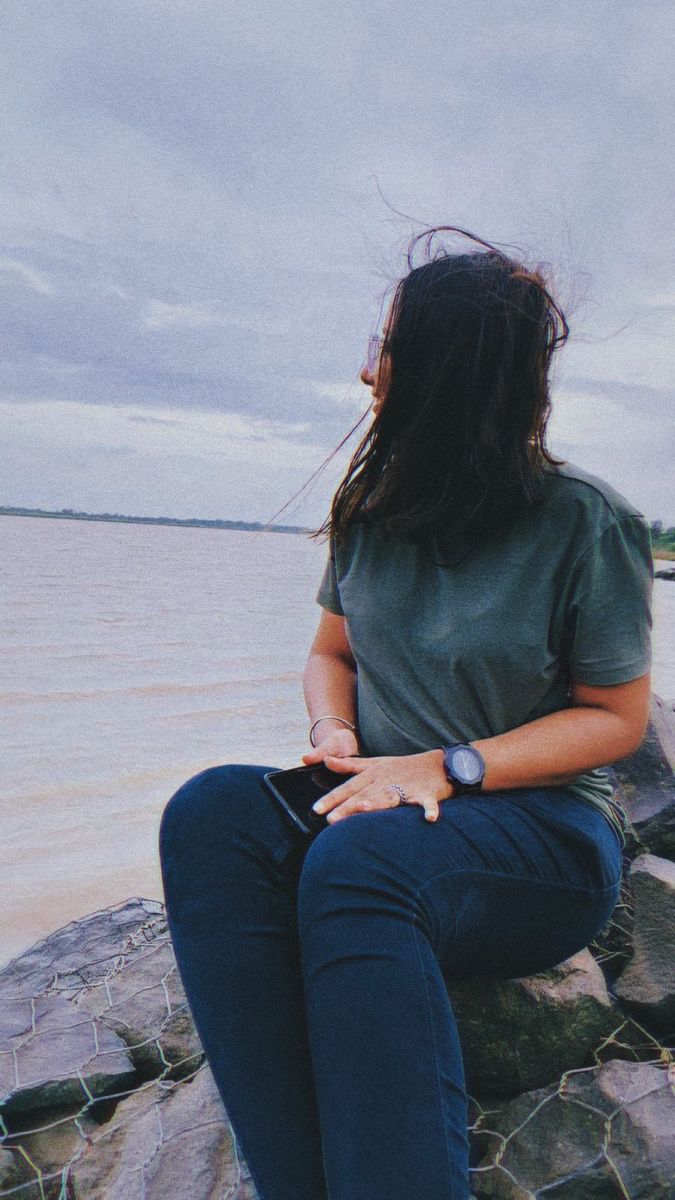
{"x":464,"y":767}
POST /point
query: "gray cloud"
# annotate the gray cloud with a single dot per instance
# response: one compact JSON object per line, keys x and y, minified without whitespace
{"x":191,"y":219}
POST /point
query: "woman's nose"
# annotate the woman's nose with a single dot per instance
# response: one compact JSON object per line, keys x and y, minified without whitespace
{"x":367,"y":378}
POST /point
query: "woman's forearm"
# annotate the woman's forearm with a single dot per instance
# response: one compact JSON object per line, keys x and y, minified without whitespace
{"x":330,"y":687}
{"x":555,"y":749}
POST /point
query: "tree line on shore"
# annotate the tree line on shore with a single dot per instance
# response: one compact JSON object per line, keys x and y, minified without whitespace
{"x":74,"y":515}
{"x":663,"y":537}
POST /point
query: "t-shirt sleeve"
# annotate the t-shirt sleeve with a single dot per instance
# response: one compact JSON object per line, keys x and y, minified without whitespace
{"x":328,"y":595}
{"x":609,"y":610}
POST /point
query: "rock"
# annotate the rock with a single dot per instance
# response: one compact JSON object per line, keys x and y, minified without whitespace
{"x":55,"y":1140}
{"x":605,"y":1132}
{"x":518,"y":1034}
{"x":14,"y":1170}
{"x":647,"y":984}
{"x":145,"y":1004}
{"x":658,"y":835}
{"x":645,"y":785}
{"x":165,"y":1142}
{"x":83,"y":951}
{"x":54,"y":1056}
{"x":117,"y":965}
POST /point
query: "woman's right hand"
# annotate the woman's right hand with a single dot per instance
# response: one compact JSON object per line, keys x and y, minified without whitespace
{"x":339,"y":743}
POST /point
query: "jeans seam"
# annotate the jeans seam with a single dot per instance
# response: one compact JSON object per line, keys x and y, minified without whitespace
{"x":430,"y":1023}
{"x":553,"y":883}
{"x":284,"y":849}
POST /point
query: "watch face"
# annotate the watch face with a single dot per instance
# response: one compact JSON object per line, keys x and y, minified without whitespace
{"x":467,"y":764}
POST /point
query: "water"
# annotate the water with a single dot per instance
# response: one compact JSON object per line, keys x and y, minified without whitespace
{"x":134,"y":656}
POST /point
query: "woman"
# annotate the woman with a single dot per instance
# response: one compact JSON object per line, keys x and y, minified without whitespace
{"x":484,"y":648}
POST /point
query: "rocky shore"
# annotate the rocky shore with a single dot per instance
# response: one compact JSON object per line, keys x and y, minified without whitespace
{"x":105,"y":1095}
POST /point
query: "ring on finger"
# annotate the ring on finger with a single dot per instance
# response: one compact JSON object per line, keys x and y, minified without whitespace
{"x":396,"y":787}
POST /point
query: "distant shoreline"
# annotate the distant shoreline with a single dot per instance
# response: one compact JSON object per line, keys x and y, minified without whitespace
{"x":188,"y":522}
{"x":120,"y":519}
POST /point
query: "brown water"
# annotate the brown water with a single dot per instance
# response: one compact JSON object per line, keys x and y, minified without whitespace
{"x":134,"y":656}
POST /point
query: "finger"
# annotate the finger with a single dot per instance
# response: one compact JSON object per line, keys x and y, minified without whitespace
{"x":430,"y":806}
{"x":313,"y":756}
{"x":367,"y":800}
{"x":347,"y":766}
{"x":339,"y":794}
{"x":431,"y":810}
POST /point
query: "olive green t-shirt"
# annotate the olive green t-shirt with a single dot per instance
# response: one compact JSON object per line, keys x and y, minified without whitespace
{"x":458,"y":653}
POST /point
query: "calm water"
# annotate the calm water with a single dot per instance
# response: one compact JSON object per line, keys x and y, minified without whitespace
{"x":134,"y":656}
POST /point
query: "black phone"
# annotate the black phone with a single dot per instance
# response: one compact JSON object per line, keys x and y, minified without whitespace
{"x":298,"y":788}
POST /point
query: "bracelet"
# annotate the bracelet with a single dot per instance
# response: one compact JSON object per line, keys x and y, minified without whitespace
{"x":329,"y":717}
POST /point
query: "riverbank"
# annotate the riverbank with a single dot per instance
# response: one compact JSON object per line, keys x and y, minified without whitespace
{"x":68,"y":514}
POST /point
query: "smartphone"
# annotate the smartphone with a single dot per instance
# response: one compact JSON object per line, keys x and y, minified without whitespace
{"x":299,"y":788}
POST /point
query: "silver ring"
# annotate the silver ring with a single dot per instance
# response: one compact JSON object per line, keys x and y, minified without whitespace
{"x":396,"y":787}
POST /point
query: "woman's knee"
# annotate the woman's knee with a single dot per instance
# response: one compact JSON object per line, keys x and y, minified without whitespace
{"x":207,"y":804}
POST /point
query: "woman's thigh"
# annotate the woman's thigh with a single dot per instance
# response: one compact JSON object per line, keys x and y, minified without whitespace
{"x":503,"y":884}
{"x":223,"y":809}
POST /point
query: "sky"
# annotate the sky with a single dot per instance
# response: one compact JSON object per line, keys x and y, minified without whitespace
{"x":203,"y":204}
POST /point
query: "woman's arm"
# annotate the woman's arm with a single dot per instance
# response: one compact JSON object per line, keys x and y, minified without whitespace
{"x":602,"y":725}
{"x":330,"y":686}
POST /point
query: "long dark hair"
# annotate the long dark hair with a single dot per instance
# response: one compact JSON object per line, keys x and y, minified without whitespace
{"x":457,"y":449}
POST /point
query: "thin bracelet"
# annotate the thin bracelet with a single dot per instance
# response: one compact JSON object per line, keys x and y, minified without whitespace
{"x":329,"y":717}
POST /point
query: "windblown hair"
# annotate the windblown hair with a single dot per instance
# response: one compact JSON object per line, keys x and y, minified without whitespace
{"x":457,"y":449}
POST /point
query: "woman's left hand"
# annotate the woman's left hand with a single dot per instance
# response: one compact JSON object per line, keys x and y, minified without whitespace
{"x":421,"y":776}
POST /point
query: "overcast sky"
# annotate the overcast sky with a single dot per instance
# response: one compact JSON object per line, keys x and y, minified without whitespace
{"x":196,"y":230}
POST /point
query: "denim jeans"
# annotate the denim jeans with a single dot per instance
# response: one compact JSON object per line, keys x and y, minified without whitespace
{"x":315,"y":970}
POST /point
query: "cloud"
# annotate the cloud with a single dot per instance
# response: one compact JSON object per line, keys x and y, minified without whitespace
{"x":159,"y":315}
{"x":37,"y":280}
{"x":69,"y":424}
{"x":588,"y":419}
{"x":180,"y":316}
{"x":157,"y":462}
{"x":639,"y":350}
{"x":664,"y":300}
{"x":193,"y":218}
{"x":351,"y":395}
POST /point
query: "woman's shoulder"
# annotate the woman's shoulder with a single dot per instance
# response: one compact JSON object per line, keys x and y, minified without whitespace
{"x":572,"y":489}
{"x":361,"y":537}
{"x":575,"y":509}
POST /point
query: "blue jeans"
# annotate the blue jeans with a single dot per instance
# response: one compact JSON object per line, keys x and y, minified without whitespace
{"x":315,"y":971}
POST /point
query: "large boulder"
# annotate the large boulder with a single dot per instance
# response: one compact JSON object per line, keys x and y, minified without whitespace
{"x":87,"y":1015}
{"x":117,"y":966}
{"x":601,"y":1133}
{"x":647,"y":985}
{"x":84,"y":952}
{"x":645,"y":784}
{"x":165,"y":1143}
{"x":517,"y":1034}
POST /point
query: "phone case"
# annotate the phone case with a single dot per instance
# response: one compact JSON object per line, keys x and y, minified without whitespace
{"x":308,"y":822}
